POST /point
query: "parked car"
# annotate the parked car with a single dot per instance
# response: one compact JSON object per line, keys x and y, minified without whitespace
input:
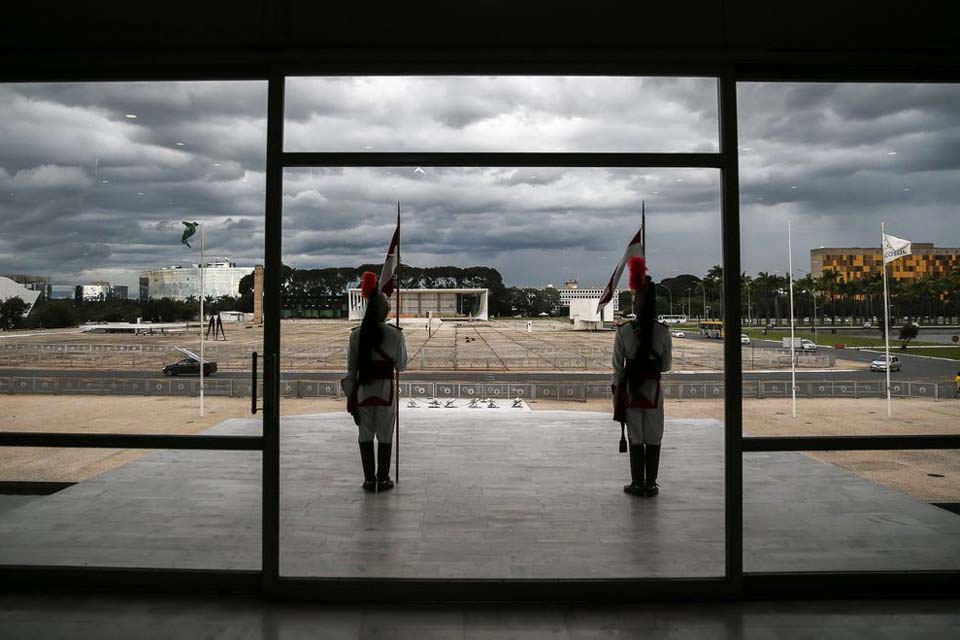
{"x":744,"y":338}
{"x":880,"y":364}
{"x":678,"y":334}
{"x":189,"y":367}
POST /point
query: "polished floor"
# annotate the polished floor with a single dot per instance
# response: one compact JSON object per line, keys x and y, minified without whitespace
{"x":157,"y":616}
{"x":514,"y":494}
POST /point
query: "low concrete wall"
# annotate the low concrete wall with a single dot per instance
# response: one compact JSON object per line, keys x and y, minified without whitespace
{"x":579,"y":391}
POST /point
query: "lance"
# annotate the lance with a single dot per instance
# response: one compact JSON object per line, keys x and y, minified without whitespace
{"x":396,"y":395}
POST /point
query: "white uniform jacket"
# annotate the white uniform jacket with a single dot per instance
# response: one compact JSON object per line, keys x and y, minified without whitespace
{"x":378,"y":391}
{"x":626,"y":345}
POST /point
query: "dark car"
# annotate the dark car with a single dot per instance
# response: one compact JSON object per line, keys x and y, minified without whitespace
{"x":189,"y":367}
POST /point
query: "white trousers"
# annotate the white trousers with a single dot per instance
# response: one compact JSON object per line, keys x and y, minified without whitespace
{"x":645,"y":426}
{"x":376,"y":421}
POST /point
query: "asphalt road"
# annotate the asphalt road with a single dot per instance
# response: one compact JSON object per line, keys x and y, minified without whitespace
{"x":913,"y":367}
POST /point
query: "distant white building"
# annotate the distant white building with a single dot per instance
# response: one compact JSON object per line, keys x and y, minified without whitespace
{"x":583,"y":313}
{"x":94,"y":292}
{"x":574,"y":292}
{"x":445,"y":304}
{"x":10,"y":289}
{"x":221,"y":278}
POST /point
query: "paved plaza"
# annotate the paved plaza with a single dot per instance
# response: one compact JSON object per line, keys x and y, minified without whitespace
{"x":494,"y":493}
{"x":320,"y":345}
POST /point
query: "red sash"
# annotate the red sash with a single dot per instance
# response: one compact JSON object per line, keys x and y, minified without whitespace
{"x":623,"y":399}
{"x":379,"y":370}
{"x":640,"y":401}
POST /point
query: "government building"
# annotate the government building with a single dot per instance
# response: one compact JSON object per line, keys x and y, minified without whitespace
{"x":179,"y":282}
{"x":854,"y":263}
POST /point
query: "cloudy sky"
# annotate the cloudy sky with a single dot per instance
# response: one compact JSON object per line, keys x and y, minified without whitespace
{"x":95,"y":178}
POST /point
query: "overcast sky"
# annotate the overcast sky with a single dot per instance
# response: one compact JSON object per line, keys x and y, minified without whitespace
{"x":89,"y":193}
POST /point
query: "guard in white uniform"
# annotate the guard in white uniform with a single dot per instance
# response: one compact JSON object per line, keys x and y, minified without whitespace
{"x":642,"y":350}
{"x":377,"y":351}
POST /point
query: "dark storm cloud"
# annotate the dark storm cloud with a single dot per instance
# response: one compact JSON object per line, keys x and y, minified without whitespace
{"x":89,"y":193}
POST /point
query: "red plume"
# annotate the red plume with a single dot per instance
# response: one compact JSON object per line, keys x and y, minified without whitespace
{"x":638,"y":273}
{"x":368,"y":283}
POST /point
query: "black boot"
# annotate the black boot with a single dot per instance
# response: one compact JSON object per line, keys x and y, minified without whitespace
{"x":384,"y":483}
{"x":652,"y":463}
{"x":369,"y":466}
{"x":635,"y":488}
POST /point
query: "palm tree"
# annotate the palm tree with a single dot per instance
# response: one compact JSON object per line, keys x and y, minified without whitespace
{"x":828,"y":284}
{"x":715,"y":277}
{"x":806,"y":285}
{"x":746,"y":286}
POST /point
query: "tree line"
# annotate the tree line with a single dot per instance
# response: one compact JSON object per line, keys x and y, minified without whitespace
{"x":321,"y":293}
{"x":57,"y":314}
{"x":765,"y":296}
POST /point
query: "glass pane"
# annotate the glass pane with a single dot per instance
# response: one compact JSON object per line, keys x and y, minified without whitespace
{"x":866,"y":155}
{"x":505,"y":113}
{"x":838,"y":162}
{"x":509,"y":463}
{"x":861,"y":511}
{"x":101,"y":316}
{"x":117,"y":508}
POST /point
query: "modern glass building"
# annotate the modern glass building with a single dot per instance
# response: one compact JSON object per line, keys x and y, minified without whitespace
{"x":854,"y":263}
{"x":180,"y":283}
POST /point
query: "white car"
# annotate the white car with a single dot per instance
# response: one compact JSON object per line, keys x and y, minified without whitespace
{"x":744,"y":338}
{"x":880,"y":364}
{"x":678,"y":334}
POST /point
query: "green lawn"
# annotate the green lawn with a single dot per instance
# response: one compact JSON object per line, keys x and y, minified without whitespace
{"x":949,"y":352}
{"x":830,"y":339}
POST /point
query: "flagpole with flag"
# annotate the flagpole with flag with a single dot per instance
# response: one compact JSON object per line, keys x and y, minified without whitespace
{"x":390,"y":282}
{"x":892,"y":248}
{"x":635,"y":248}
{"x":189,"y":232}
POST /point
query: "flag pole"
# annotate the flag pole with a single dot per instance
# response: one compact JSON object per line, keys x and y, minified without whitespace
{"x":793,"y":352}
{"x":643,"y":228}
{"x":886,"y":315}
{"x":201,"y":320}
{"x":396,"y":396}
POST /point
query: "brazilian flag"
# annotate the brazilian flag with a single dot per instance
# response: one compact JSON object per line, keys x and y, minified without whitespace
{"x":189,"y":232}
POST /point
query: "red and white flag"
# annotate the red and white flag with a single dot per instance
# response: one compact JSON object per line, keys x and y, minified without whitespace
{"x":634,"y":249}
{"x":387,"y":274}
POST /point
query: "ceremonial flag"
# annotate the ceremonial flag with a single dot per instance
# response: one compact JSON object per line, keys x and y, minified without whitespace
{"x":387,"y":274}
{"x":634,"y":249}
{"x":189,"y":232}
{"x":894,"y":248}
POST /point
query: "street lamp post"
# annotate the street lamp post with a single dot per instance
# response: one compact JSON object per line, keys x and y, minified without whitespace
{"x":686,"y":291}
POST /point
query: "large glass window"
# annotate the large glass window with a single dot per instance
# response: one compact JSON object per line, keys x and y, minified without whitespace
{"x":839,"y":162}
{"x":100,"y":284}
{"x":508,"y":454}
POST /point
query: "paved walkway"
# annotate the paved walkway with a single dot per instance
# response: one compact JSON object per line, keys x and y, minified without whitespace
{"x":497,"y":493}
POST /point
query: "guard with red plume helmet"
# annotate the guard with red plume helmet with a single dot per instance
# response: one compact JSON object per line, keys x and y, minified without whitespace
{"x":368,"y":284}
{"x":377,"y":351}
{"x":642,"y":351}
